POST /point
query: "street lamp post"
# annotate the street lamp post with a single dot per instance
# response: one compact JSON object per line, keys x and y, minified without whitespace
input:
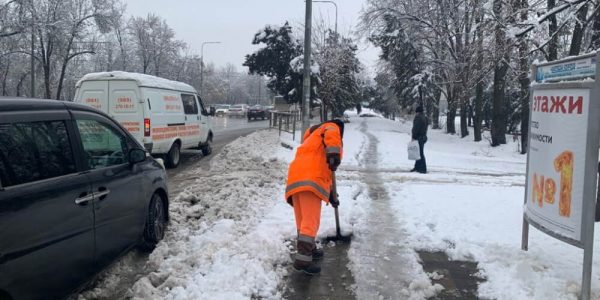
{"x":307,"y":69}
{"x":202,"y":66}
{"x":336,"y":12}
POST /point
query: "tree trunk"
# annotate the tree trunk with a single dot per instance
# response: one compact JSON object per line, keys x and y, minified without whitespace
{"x":5,"y":78}
{"x":20,"y":84}
{"x":478,"y":117}
{"x":524,"y":81}
{"x":450,"y":116}
{"x":47,"y":90}
{"x":464,"y":129}
{"x":435,"y":109}
{"x":552,"y":32}
{"x":578,"y":31}
{"x":465,"y":70}
{"x":498,"y":98}
{"x":61,"y":79}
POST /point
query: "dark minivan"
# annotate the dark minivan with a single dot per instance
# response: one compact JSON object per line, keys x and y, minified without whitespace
{"x":76,"y":192}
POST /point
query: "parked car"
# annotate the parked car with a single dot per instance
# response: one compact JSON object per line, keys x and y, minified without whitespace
{"x":222,"y":110}
{"x":256,"y":112}
{"x":76,"y":192}
{"x":163,"y":115}
{"x":238,"y":110}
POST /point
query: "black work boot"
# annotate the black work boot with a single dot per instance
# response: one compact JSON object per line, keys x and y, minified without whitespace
{"x":303,"y":261}
{"x":310,"y":269}
{"x":317,"y":254}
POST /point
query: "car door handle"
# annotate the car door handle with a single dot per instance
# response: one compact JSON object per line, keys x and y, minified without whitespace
{"x":101,"y":193}
{"x":84,"y":199}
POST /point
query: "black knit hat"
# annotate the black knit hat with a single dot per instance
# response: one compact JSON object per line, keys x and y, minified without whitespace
{"x":419,"y":109}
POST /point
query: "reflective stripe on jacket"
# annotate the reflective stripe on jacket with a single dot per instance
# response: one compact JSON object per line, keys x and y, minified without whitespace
{"x":309,"y":170}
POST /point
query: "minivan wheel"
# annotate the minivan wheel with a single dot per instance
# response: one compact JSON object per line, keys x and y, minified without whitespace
{"x":206,"y":149}
{"x":173,"y":156}
{"x":156,"y":223}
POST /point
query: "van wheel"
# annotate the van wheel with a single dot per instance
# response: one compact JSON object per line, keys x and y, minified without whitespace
{"x":156,"y":223}
{"x":173,"y":156}
{"x":206,"y":148}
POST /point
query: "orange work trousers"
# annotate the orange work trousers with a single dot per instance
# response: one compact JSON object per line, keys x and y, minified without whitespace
{"x":307,"y":209}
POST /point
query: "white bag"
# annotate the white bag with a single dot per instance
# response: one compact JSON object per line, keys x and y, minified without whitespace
{"x":414,"y":150}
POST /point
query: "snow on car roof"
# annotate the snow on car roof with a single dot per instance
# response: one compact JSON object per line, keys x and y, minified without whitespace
{"x":142,"y":80}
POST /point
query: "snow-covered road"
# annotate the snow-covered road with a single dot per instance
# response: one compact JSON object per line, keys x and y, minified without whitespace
{"x":232,"y":232}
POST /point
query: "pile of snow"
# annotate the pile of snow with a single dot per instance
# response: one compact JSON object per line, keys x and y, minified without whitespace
{"x":220,"y":244}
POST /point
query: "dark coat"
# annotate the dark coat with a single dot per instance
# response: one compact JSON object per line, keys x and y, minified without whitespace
{"x":419,"y":130}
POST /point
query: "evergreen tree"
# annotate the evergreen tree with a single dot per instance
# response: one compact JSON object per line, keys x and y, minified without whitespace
{"x":273,"y":60}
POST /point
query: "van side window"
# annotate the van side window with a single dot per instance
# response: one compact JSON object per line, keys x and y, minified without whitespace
{"x":34,"y":151}
{"x":104,"y":146}
{"x":189,"y":104}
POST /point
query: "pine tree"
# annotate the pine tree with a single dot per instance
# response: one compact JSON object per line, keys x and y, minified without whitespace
{"x":273,"y":60}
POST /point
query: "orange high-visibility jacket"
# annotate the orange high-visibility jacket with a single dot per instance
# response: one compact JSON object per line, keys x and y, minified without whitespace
{"x":309,"y":170}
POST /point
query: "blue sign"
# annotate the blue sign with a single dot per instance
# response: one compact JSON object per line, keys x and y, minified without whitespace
{"x":581,"y":68}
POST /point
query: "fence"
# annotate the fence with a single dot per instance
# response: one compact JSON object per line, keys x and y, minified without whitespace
{"x":285,"y":121}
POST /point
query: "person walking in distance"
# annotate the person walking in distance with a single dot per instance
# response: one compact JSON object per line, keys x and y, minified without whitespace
{"x":419,"y":134}
{"x":309,"y":182}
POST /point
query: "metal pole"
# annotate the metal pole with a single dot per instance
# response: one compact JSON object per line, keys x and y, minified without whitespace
{"x":202,"y":73}
{"x":307,"y":71}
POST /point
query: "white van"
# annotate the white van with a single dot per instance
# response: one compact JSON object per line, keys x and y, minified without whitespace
{"x":165,"y":116}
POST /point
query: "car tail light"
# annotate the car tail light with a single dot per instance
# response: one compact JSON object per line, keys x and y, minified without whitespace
{"x":146,"y":127}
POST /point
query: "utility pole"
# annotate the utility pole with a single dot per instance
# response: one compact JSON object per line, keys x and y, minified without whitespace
{"x":307,"y":70}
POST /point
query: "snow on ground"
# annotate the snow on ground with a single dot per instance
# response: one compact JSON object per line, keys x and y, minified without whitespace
{"x":470,"y":206}
{"x":231,"y":230}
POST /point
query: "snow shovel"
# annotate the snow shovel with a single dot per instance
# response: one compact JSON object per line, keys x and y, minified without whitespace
{"x":338,"y":232}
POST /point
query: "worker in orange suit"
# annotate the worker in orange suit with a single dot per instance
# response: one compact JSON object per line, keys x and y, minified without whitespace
{"x":309,"y":182}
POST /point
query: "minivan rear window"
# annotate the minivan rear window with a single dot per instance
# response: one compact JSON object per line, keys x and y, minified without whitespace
{"x":34,"y":151}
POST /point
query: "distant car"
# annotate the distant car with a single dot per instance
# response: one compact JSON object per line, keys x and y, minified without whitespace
{"x":238,"y":110}
{"x":76,"y":192}
{"x":222,"y":110}
{"x":256,"y":112}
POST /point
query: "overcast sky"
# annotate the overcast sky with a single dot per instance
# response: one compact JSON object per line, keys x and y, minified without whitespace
{"x":234,"y":22}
